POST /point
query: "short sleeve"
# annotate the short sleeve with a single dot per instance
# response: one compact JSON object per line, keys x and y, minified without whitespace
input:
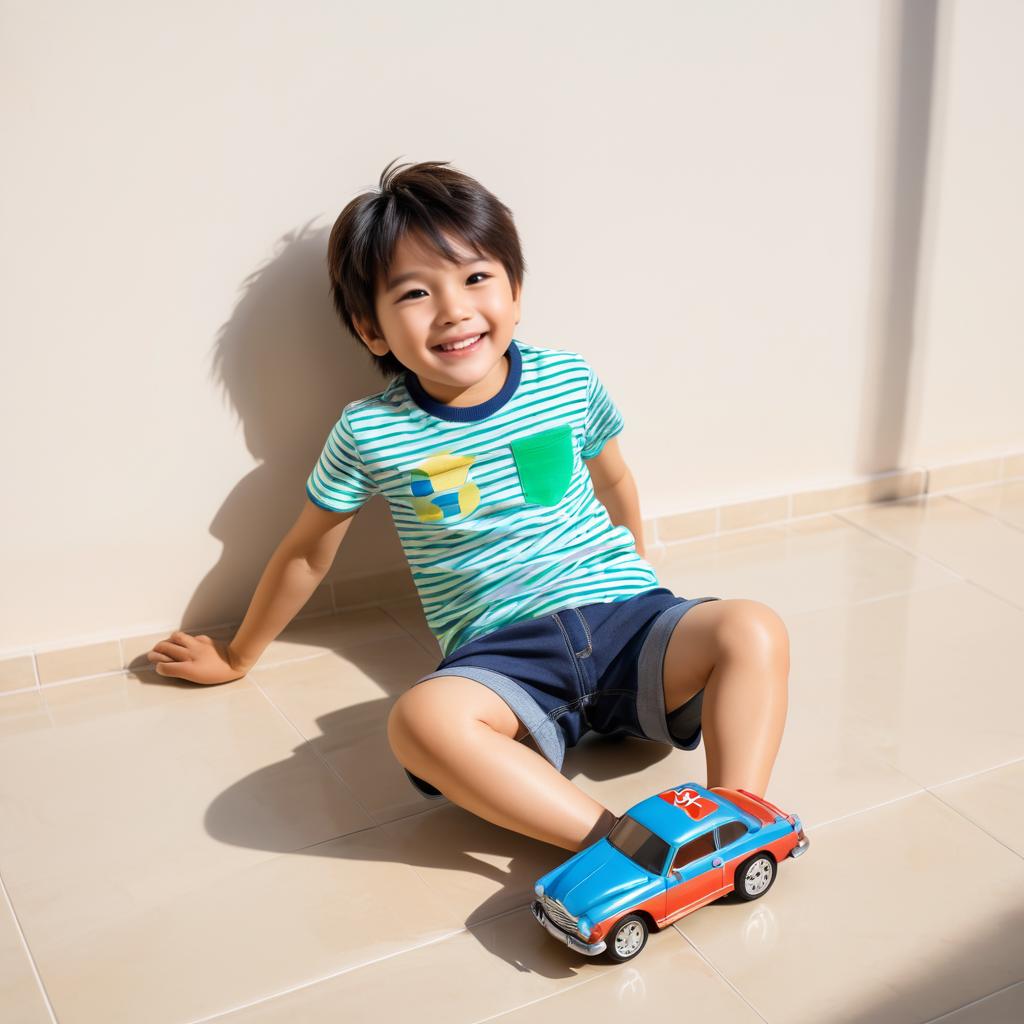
{"x":603,"y":421}
{"x":339,"y":481}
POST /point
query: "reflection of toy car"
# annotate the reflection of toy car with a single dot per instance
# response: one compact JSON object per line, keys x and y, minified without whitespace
{"x":665,"y":857}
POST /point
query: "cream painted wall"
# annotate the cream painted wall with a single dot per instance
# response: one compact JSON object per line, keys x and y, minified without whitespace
{"x":788,"y":235}
{"x":968,"y":398}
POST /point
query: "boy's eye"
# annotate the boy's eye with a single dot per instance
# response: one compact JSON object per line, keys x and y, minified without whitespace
{"x":413,"y":291}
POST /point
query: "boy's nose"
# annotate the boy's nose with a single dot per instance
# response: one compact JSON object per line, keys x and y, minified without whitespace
{"x":455,"y":314}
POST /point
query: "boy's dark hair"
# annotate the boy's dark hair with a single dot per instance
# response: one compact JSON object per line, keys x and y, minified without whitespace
{"x":426,"y":198}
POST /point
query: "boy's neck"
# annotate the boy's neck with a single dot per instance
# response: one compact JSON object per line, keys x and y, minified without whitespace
{"x":476,"y":394}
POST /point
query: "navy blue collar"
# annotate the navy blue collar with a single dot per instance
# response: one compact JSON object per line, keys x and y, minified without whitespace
{"x":469,"y":413}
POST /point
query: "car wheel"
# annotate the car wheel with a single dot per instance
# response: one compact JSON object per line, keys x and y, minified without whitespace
{"x":626,"y":938}
{"x":754,"y":877}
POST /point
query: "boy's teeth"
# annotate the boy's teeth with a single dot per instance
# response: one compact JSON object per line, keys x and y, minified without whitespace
{"x":460,"y":344}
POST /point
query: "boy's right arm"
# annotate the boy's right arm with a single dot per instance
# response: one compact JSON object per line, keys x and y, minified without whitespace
{"x":294,"y":571}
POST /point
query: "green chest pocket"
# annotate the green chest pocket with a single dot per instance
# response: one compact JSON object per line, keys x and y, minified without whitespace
{"x":544,"y":463}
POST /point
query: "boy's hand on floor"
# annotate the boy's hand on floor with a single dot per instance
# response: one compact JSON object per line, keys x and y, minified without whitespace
{"x":199,"y":659}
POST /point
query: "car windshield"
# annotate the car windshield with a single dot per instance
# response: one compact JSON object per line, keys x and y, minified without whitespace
{"x":639,"y":844}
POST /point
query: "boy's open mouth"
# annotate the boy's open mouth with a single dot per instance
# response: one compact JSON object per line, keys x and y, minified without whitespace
{"x":461,"y":347}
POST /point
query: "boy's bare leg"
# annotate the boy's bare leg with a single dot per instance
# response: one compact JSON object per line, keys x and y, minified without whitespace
{"x":464,"y":739}
{"x":743,"y":714}
{"x":742,"y":738}
{"x":461,"y":738}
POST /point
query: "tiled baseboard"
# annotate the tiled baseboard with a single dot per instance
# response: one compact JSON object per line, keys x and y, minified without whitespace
{"x":31,"y":670}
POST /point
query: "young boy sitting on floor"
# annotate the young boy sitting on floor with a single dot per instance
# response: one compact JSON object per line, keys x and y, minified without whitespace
{"x":520,"y":523}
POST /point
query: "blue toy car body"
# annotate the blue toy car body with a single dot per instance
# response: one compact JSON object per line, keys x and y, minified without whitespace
{"x":665,"y":857}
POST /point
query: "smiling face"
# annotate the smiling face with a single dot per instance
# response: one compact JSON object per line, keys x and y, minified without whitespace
{"x":428,"y":300}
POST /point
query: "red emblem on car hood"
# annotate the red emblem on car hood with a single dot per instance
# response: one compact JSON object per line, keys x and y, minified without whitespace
{"x":695,"y":805}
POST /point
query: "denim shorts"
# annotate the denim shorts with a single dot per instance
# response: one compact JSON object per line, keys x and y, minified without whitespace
{"x":596,"y":667}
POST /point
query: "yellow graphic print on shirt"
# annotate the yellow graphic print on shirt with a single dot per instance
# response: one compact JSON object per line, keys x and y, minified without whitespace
{"x":440,"y":488}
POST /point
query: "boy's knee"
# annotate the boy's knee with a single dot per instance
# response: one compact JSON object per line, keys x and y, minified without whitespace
{"x":421,"y":720}
{"x":754,"y":628}
{"x":406,"y":727}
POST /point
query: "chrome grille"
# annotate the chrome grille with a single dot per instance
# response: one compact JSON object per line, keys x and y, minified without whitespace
{"x":558,"y":914}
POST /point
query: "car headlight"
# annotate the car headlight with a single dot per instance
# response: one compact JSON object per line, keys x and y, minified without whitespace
{"x":797,"y":823}
{"x":539,"y":889}
{"x":584,"y":927}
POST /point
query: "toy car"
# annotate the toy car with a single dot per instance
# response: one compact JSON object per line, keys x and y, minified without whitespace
{"x":665,"y":857}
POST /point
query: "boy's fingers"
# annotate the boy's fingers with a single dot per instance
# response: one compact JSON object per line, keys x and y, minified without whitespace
{"x":168,"y":668}
{"x":187,"y":640}
{"x":175,"y":650}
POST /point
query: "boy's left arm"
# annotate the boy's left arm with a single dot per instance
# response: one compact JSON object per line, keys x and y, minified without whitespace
{"x":616,"y":490}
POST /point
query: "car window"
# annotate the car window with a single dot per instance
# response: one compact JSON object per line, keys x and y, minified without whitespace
{"x":702,"y":846}
{"x":730,"y":832}
{"x":640,"y":844}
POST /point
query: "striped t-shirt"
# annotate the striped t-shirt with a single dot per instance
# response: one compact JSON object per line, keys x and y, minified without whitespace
{"x":492,"y":503}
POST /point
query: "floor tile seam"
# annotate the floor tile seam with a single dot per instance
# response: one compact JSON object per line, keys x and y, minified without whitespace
{"x":319,"y":981}
{"x":326,"y":648}
{"x":941,"y":565}
{"x":975,"y":1002}
{"x":18,"y":693}
{"x":866,"y":810}
{"x":901,"y":547}
{"x":924,"y":790}
{"x":539,"y":999}
{"x":970,"y":821}
{"x":27,"y":950}
{"x":423,"y":645}
{"x":341,"y":835}
{"x":879,"y":597}
{"x":434,"y":806}
{"x":355,"y":967}
{"x":408,"y":632}
{"x":432,"y":651}
{"x":376,"y":823}
{"x":62,"y":682}
{"x":986,"y":512}
{"x":721,"y":974}
{"x":980,"y":771}
{"x":382,"y":825}
{"x":297,"y":660}
{"x":994,"y":595}
{"x":426,"y":882}
{"x":316,"y":753}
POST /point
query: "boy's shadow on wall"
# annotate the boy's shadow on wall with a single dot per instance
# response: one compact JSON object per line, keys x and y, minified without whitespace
{"x":287,"y":367}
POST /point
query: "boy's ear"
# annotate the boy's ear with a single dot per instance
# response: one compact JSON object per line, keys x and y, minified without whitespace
{"x":378,"y":346}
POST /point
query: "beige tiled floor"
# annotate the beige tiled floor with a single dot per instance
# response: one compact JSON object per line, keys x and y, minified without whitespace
{"x":252,"y":852}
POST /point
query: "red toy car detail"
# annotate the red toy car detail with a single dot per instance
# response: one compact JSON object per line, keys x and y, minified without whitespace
{"x":690,"y":801}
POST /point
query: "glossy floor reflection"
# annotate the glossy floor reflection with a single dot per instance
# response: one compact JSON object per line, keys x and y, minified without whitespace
{"x":252,"y":852}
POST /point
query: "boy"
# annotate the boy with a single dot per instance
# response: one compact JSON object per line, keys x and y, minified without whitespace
{"x":520,"y":523}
